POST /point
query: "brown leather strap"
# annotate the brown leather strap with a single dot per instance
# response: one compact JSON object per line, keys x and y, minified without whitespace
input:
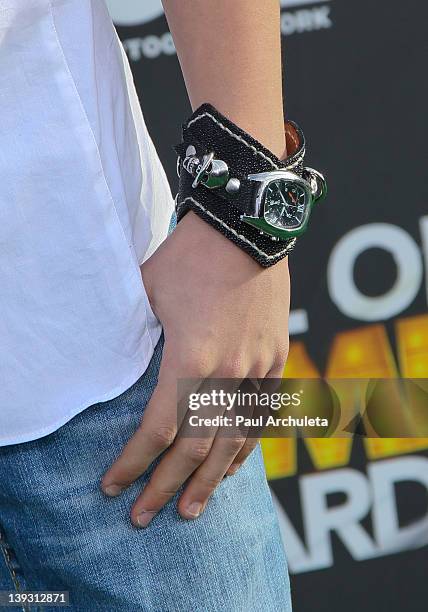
{"x":291,"y":138}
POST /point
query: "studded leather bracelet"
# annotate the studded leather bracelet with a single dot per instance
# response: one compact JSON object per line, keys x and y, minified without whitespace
{"x":235,"y":184}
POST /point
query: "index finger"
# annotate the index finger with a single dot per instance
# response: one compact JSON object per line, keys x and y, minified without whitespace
{"x":156,"y":433}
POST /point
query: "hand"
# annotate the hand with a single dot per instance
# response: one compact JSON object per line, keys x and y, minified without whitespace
{"x":223,"y":317}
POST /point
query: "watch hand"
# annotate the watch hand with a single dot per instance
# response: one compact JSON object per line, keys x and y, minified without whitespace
{"x":293,"y":197}
{"x":283,"y":197}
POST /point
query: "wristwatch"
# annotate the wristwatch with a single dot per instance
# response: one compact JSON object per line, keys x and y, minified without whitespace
{"x":229,"y":179}
{"x":283,"y":202}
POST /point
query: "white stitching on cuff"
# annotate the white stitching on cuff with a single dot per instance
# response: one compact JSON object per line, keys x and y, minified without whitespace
{"x":226,"y":129}
{"x":240,"y":236}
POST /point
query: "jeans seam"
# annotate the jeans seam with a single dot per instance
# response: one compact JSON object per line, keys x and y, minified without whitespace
{"x":8,"y":562}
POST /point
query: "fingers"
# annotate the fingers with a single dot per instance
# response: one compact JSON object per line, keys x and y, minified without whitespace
{"x":173,"y":470}
{"x":205,"y":458}
{"x":242,"y":456}
{"x":275,"y":372}
{"x":228,"y":453}
{"x":149,"y":441}
{"x":208,"y":476}
{"x":203,"y":462}
{"x":155,"y":434}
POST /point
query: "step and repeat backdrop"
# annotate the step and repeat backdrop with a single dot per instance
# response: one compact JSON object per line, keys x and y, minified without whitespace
{"x":354,"y":514}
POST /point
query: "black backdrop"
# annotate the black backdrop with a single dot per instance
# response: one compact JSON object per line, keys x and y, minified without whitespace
{"x":354,"y":517}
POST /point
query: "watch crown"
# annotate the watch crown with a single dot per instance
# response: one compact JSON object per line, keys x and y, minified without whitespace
{"x":317,"y":182}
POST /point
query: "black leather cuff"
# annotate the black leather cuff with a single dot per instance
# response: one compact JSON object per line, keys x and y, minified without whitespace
{"x":209,"y":131}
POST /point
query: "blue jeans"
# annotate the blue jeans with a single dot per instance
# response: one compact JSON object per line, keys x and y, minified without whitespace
{"x":59,"y":532}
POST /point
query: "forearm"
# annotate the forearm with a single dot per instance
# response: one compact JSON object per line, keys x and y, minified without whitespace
{"x":230,"y":54}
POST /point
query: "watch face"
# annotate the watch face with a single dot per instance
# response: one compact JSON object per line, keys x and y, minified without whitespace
{"x":286,"y":204}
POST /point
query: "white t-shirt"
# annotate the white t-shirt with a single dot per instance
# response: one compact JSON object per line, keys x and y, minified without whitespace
{"x":83,"y":201}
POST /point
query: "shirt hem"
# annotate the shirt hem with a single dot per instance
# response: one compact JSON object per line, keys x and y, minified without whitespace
{"x":110,"y":395}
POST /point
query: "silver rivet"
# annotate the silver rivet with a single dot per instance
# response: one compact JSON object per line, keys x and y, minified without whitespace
{"x":190,"y":151}
{"x":233,"y":186}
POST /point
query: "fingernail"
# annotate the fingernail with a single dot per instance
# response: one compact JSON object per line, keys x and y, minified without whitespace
{"x":194,"y":509}
{"x":144,"y":518}
{"x":113,"y":490}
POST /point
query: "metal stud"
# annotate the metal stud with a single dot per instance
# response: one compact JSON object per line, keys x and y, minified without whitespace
{"x":190,"y":151}
{"x":217,"y":174}
{"x":208,"y":171}
{"x":233,"y":186}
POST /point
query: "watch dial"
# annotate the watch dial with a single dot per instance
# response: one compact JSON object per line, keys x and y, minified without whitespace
{"x":285,"y":204}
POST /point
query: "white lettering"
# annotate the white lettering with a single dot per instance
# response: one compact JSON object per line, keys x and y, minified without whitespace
{"x":319,"y":519}
{"x":374,"y":492}
{"x":149,"y":47}
{"x":340,"y":278}
{"x":389,"y":535}
{"x":305,"y":20}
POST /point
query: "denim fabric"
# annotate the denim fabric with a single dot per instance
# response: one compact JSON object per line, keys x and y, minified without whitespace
{"x":59,"y":532}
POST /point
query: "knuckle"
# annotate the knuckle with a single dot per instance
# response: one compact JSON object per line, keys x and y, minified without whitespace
{"x":199,"y":451}
{"x":260,"y":368}
{"x":233,"y":368}
{"x":230,"y":447}
{"x":208,"y":482}
{"x":281,"y":356}
{"x":249,"y":447}
{"x":158,"y":492}
{"x":164,"y":436}
{"x":235,"y":445}
{"x":234,"y":371}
